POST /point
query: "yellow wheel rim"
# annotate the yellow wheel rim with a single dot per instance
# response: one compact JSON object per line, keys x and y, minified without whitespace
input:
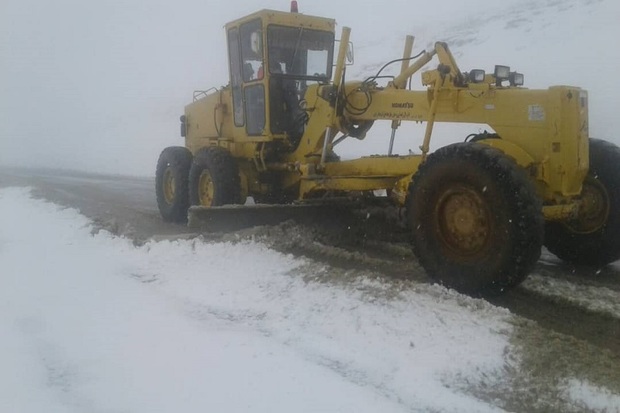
{"x":205,"y":188}
{"x":169,"y":186}
{"x":594,"y":209}
{"x":463,"y":221}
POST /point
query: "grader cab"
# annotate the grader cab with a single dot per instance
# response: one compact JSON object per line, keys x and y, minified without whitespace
{"x":478,"y":211}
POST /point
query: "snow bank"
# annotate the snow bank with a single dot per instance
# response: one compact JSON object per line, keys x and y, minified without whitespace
{"x":93,"y":323}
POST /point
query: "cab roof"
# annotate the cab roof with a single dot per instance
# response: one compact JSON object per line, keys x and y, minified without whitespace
{"x":287,"y":19}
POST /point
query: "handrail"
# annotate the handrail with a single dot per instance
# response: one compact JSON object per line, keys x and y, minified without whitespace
{"x":199,"y":94}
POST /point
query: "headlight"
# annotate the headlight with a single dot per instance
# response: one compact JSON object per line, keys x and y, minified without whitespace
{"x":501,"y":73}
{"x":516,"y":79}
{"x":477,"y":76}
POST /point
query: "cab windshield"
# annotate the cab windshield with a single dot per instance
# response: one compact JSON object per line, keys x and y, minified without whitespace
{"x":300,"y":53}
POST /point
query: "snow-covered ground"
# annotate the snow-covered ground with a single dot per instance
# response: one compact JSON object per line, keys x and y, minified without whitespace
{"x":92,"y":323}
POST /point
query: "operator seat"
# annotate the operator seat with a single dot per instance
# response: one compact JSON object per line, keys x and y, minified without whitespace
{"x":286,"y":116}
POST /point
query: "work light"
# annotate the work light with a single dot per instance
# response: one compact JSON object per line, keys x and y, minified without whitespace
{"x":516,"y":79}
{"x":477,"y":76}
{"x":501,"y":73}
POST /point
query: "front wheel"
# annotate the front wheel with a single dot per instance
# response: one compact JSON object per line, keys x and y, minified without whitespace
{"x":476,"y":220}
{"x":594,"y":237}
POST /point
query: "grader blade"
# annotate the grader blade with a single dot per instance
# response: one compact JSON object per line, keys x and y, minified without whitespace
{"x":372,"y":220}
{"x":235,"y":217}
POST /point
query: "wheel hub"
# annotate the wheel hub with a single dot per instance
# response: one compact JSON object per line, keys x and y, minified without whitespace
{"x":169,"y":186}
{"x":594,"y":209}
{"x":463,"y":220}
{"x":205,"y":188}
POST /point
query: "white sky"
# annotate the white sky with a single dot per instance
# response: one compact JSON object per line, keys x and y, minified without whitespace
{"x":99,"y":85}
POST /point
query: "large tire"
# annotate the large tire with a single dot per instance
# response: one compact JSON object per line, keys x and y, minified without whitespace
{"x":214,"y":178}
{"x":594,"y":237}
{"x":476,"y":220}
{"x":171,"y":186}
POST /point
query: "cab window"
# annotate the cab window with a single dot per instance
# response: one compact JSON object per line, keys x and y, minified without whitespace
{"x":252,"y":50}
{"x":300,"y":52}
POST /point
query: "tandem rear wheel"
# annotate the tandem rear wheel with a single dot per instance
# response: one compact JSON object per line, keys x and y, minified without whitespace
{"x":214,"y":178}
{"x":171,"y":185}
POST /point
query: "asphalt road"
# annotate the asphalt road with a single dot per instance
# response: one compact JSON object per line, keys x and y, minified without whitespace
{"x":120,"y":203}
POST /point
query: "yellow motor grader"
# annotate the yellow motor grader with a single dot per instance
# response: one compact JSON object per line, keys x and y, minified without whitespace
{"x":478,"y":211}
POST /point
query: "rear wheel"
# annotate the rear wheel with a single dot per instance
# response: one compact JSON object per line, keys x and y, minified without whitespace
{"x":594,"y":237}
{"x":171,"y":185}
{"x":214,"y":178}
{"x":476,"y":220}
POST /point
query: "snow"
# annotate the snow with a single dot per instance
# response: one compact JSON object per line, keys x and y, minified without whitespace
{"x":585,"y":395}
{"x":91,"y":322}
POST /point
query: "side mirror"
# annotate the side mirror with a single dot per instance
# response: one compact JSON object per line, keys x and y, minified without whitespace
{"x":183,"y":120}
{"x":350,"y":55}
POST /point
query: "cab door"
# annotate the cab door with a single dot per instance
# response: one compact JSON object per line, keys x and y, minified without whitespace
{"x":245,"y":48}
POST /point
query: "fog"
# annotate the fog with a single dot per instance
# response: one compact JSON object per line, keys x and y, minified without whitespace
{"x":99,"y":86}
